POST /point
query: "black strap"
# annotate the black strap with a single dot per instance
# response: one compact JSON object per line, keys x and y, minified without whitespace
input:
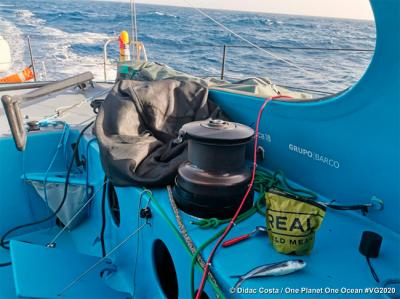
{"x":5,"y":264}
{"x":103,"y":218}
{"x":374,"y":275}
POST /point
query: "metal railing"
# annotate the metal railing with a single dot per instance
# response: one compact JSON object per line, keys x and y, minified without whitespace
{"x":289,"y":48}
{"x":28,"y":39}
{"x":139,"y":48}
{"x":225,"y":47}
{"x":105,"y":54}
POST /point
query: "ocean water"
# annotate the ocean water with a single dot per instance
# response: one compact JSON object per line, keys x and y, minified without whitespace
{"x":67,"y":37}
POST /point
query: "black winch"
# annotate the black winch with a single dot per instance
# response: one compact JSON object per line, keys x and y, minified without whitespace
{"x":213,"y":181}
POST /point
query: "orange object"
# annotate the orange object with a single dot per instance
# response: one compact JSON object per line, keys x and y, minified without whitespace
{"x":124,"y":53}
{"x":25,"y":75}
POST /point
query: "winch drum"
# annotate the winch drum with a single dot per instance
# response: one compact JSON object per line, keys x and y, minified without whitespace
{"x":214,"y":180}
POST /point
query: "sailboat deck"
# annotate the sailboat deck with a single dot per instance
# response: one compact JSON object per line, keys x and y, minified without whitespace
{"x":71,"y":105}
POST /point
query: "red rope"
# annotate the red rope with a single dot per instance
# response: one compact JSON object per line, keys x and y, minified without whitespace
{"x":231,"y":223}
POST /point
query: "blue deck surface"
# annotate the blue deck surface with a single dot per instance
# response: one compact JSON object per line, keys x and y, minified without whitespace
{"x":58,"y":267}
{"x":7,"y":289}
{"x":334,"y":262}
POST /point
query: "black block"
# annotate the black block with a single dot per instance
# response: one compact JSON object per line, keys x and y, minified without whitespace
{"x":370,"y":244}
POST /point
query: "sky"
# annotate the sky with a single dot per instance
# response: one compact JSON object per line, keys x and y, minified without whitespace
{"x":352,"y":9}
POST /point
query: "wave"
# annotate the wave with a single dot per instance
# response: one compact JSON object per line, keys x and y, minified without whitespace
{"x":59,"y":35}
{"x":58,"y":50}
{"x":162,"y":14}
{"x":256,"y":20}
{"x":28,"y":17}
{"x":23,"y":13}
{"x":55,"y":48}
{"x":14,"y":36}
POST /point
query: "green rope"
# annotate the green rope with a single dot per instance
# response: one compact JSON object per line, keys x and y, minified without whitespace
{"x":264,"y":180}
{"x":214,"y":223}
{"x":257,"y":207}
{"x":278,"y":181}
{"x":178,"y":235}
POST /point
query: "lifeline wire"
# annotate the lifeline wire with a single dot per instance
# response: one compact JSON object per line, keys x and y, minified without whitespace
{"x":63,"y":140}
{"x":258,"y":47}
{"x":2,"y":240}
{"x":83,"y":274}
{"x":66,"y":185}
{"x":76,"y":214}
{"x":62,"y":111}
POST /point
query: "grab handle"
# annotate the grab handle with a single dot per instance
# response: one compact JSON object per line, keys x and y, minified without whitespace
{"x":13,"y":110}
{"x":14,"y":116}
{"x":58,"y":85}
